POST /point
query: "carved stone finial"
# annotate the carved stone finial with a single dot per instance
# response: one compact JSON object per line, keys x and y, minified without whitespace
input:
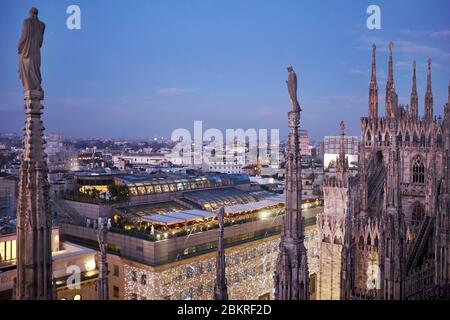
{"x":342,"y":127}
{"x":391,"y":46}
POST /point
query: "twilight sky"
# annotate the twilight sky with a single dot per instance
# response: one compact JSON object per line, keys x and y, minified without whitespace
{"x":144,"y":68}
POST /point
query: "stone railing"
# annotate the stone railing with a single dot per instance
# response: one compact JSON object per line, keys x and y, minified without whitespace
{"x":420,"y":283}
{"x":412,"y":189}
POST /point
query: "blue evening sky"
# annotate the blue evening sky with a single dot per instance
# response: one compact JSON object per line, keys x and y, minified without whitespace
{"x":145,"y":68}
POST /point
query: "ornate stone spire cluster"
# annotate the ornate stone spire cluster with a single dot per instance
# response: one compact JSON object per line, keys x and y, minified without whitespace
{"x":342,"y":160}
{"x":34,"y":222}
{"x":291,"y":276}
{"x":373,"y":88}
{"x":429,"y":97}
{"x":220,"y":288}
{"x":414,"y":96}
{"x":391,"y":95}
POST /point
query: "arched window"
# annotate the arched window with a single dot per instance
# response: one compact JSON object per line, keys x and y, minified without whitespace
{"x":369,"y":240}
{"x":386,"y":139}
{"x":399,"y":139}
{"x":379,"y":139}
{"x":415,"y":139}
{"x":407,"y":139}
{"x":361,"y":242}
{"x":375,"y":243}
{"x":369,"y":139}
{"x":439,"y":140}
{"x":418,"y":213}
{"x":418,"y":171}
{"x":422,"y":140}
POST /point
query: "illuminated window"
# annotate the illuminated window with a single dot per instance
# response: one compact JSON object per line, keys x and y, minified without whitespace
{"x":8,"y":250}
{"x":173,"y":188}
{"x":180,"y":186}
{"x":166,"y":278}
{"x":77,"y":297}
{"x":2,"y":251}
{"x":418,"y":171}
{"x":133,"y":191}
{"x":165,"y":188}
{"x":142,"y":190}
{"x":158,"y":189}
{"x":149,"y":189}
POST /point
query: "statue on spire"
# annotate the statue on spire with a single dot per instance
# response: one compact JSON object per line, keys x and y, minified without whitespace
{"x":29,"y":49}
{"x":291,"y":277}
{"x":292,"y":88}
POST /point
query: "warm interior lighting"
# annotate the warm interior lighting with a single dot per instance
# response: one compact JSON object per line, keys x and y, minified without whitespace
{"x":90,"y":264}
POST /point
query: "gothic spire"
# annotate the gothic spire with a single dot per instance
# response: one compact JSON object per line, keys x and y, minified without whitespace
{"x":414,"y":97}
{"x":342,"y":161}
{"x":429,"y":97}
{"x":220,"y":289}
{"x":373,"y":89}
{"x":391,"y":96}
{"x":34,"y":220}
{"x":291,"y":276}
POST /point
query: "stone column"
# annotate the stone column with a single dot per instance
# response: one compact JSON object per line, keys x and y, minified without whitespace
{"x":220,"y":288}
{"x":34,"y":222}
{"x":102,"y":282}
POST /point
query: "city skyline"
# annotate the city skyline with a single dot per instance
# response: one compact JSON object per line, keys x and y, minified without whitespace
{"x":177,"y":70}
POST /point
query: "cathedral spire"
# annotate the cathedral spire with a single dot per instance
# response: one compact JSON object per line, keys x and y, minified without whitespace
{"x":220,"y":289}
{"x":292,"y":276}
{"x":342,"y":161}
{"x":373,"y":89}
{"x":34,"y":220}
{"x":414,"y":97}
{"x":429,"y":97}
{"x":391,"y":96}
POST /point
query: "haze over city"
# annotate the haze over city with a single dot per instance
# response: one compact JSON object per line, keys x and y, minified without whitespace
{"x":160,"y":65}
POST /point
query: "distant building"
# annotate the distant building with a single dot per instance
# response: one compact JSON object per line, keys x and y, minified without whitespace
{"x":331,"y":149}
{"x":65,"y":256}
{"x":8,"y":194}
{"x":304,"y":143}
{"x":162,"y":243}
{"x":54,"y":144}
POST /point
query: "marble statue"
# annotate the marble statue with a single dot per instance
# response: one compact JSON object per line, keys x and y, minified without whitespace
{"x":292,"y":88}
{"x":29,"y":50}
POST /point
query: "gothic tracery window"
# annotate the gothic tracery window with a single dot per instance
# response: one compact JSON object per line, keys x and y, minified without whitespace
{"x":422,"y":140}
{"x":418,"y":213}
{"x":418,"y":171}
{"x":369,"y":139}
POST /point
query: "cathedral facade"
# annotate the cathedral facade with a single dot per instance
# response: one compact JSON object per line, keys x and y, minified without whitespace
{"x":385,"y":233}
